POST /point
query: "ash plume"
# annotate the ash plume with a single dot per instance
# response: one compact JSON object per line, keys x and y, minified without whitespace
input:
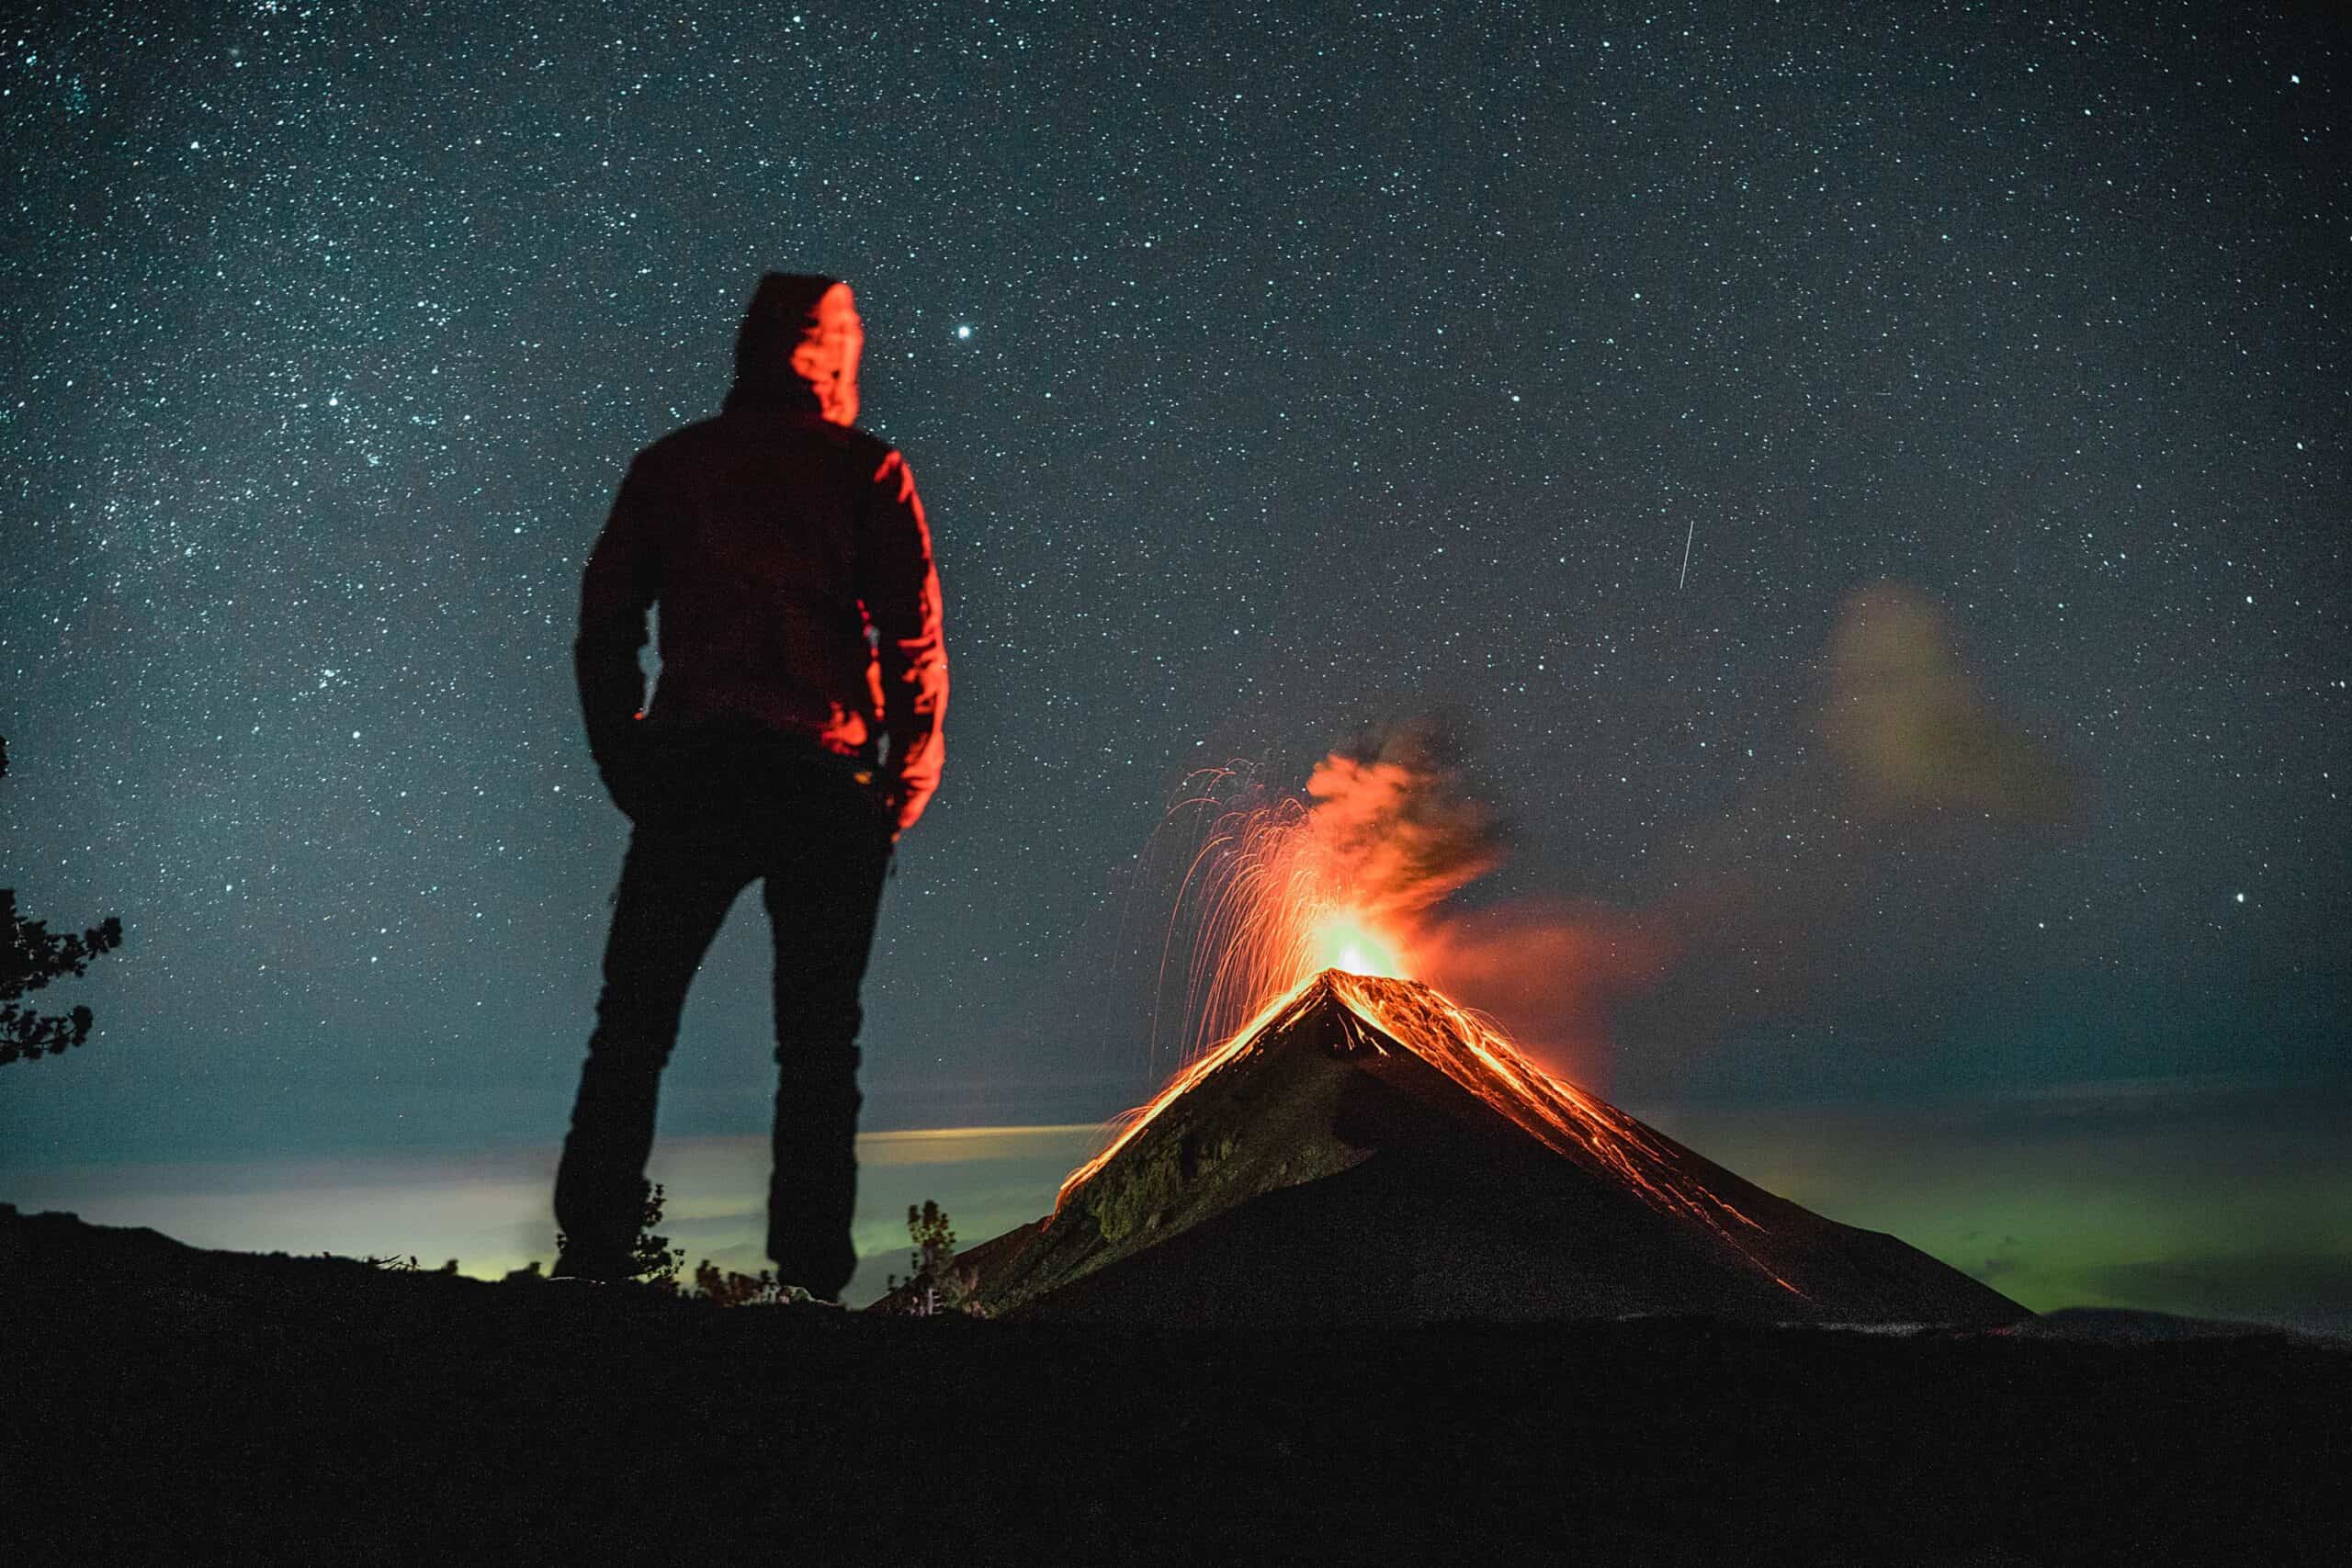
{"x":1393,"y":828}
{"x":1912,"y":789}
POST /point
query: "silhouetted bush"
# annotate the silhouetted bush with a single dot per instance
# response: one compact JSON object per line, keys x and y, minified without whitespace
{"x":655,"y":1263}
{"x":652,"y":1261}
{"x":396,"y":1264}
{"x":729,"y":1289}
{"x":936,"y":1285}
{"x":658,"y":1265}
{"x":31,"y":958}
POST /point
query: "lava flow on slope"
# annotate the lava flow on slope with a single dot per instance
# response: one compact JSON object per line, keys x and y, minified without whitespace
{"x":1367,"y":1150}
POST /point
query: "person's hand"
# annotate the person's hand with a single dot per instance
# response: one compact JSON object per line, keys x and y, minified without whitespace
{"x":889,"y":805}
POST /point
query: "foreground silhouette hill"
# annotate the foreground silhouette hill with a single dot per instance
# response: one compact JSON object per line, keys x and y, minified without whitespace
{"x":1373,"y":1154}
{"x":163,"y":1404}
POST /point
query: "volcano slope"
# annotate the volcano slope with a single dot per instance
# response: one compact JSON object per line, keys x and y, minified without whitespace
{"x":1370,"y":1153}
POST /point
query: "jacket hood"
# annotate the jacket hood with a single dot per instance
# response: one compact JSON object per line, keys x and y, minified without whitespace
{"x":798,"y":348}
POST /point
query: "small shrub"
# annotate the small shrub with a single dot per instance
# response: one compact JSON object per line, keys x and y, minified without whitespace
{"x":658,"y":1264}
{"x":944,"y":1287}
{"x":396,"y":1264}
{"x":652,"y":1260}
{"x":655,"y":1263}
{"x":729,"y":1289}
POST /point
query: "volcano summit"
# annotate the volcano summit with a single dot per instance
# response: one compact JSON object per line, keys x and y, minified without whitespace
{"x":1368,"y":1151}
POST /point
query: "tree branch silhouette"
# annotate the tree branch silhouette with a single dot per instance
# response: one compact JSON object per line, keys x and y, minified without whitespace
{"x":30,"y":957}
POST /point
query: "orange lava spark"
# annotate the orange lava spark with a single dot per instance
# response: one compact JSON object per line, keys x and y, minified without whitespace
{"x":1270,"y":897}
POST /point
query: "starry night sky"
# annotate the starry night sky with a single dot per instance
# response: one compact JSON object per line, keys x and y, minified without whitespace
{"x":1271,"y":373}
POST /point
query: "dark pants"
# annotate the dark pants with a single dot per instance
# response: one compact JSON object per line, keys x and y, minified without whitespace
{"x":714,"y":813}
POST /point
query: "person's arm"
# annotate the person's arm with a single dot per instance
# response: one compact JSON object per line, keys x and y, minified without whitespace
{"x":899,"y":587}
{"x":614,"y":593}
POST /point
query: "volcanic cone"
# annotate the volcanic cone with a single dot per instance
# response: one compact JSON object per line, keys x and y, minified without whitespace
{"x":1370,"y":1153}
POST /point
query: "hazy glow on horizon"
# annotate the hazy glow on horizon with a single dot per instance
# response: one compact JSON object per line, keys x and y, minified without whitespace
{"x":2079,"y":1199}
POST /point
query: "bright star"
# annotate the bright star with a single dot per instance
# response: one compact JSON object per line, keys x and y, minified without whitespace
{"x":963,"y":332}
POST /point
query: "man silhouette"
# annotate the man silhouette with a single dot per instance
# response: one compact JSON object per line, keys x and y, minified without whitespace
{"x":795,"y":734}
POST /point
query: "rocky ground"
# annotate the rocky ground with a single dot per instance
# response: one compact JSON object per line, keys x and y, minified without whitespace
{"x":166,"y":1404}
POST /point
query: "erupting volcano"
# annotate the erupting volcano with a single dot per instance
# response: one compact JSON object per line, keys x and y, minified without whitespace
{"x":1364,"y":1149}
{"x":1370,"y":1152}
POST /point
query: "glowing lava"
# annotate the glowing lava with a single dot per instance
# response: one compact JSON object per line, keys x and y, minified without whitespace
{"x":1382,"y":1014}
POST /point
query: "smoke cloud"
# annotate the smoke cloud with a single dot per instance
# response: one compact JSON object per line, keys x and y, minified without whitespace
{"x":1912,"y":730}
{"x":1395,"y":828}
{"x":1919,"y":795}
{"x":1843,"y":881}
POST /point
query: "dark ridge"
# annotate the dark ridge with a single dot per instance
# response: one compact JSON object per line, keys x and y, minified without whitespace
{"x":168,"y":1404}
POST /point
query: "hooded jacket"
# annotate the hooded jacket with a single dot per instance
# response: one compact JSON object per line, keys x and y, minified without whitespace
{"x":791,"y":560}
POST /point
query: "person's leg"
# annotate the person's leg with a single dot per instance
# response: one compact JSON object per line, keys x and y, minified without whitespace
{"x":674,"y":892}
{"x":822,"y":894}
